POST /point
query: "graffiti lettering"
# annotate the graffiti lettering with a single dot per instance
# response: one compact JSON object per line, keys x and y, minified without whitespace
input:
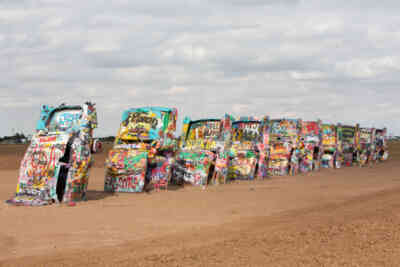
{"x":246,"y":131}
{"x":142,"y":117}
{"x":205,"y":130}
{"x":124,"y":182}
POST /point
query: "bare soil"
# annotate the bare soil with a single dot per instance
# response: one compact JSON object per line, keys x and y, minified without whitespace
{"x":345,"y":217}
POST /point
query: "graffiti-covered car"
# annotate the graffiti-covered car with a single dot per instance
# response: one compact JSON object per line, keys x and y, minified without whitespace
{"x":311,"y":146}
{"x":203,"y":151}
{"x":244,"y":152}
{"x":143,"y":151}
{"x":331,"y":153}
{"x":284,"y":146}
{"x":348,"y":138}
{"x":366,"y":146}
{"x":381,"y":146}
{"x":55,"y":167}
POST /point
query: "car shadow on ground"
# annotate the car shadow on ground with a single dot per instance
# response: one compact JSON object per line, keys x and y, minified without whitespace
{"x":171,"y":187}
{"x":98,"y":195}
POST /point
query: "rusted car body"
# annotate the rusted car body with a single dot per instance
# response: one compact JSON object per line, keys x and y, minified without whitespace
{"x":55,"y":167}
{"x":284,"y":137}
{"x":244,"y":152}
{"x":311,"y":146}
{"x":203,"y":150}
{"x":144,"y":150}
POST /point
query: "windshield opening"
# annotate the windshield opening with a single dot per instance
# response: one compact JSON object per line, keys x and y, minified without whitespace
{"x":204,"y":130}
{"x":63,"y":120}
{"x":246,"y":131}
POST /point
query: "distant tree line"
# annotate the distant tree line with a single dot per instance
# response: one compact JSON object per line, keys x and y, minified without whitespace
{"x":17,"y":138}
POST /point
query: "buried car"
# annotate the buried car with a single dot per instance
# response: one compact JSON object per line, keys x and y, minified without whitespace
{"x":143,"y":151}
{"x":331,"y":149}
{"x":381,"y":146}
{"x":366,"y":146}
{"x":311,"y":144}
{"x":246,"y":150}
{"x":203,"y":151}
{"x":55,"y":167}
{"x":348,"y":138}
{"x":283,"y":146}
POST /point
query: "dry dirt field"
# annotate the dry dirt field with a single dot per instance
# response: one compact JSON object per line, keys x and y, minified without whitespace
{"x":346,"y":217}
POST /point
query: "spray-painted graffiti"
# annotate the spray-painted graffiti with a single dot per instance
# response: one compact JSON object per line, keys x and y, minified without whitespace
{"x":348,"y":140}
{"x":203,"y":134}
{"x":143,"y":151}
{"x":141,"y":125}
{"x":195,"y":166}
{"x":203,"y":151}
{"x":366,"y":146}
{"x":246,"y":138}
{"x":126,"y":170}
{"x":55,"y":167}
{"x":310,"y":146}
{"x":284,"y":154}
{"x":381,"y":146}
{"x":331,"y":150}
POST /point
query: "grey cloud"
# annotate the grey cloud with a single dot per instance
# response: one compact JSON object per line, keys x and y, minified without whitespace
{"x":260,"y":2}
{"x":312,"y":59}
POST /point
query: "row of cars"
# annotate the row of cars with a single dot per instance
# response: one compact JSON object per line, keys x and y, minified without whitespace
{"x":146,"y":153}
{"x":249,"y":148}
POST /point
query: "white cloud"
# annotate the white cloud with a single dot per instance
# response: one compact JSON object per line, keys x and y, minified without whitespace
{"x":176,"y":90}
{"x":240,"y":108}
{"x":337,"y":61}
{"x":368,"y":67}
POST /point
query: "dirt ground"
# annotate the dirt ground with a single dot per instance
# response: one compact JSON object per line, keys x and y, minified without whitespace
{"x":346,"y":217}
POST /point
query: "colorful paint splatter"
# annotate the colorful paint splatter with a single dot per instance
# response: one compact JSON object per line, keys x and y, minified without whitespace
{"x":204,"y":151}
{"x":144,"y":150}
{"x":310,"y":146}
{"x":348,"y":140}
{"x":284,"y":151}
{"x":56,"y":166}
{"x":330,"y":146}
{"x":244,"y":151}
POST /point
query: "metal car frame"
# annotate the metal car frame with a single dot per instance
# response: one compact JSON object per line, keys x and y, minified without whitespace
{"x":366,"y":146}
{"x":203,"y":151}
{"x":381,"y":145}
{"x":284,"y":154}
{"x":311,"y":146}
{"x":348,"y":138}
{"x":246,"y":153}
{"x":331,"y":149}
{"x":55,"y":167}
{"x":144,"y":150}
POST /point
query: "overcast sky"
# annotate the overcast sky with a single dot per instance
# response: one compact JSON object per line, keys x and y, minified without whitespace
{"x":334,"y":60}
